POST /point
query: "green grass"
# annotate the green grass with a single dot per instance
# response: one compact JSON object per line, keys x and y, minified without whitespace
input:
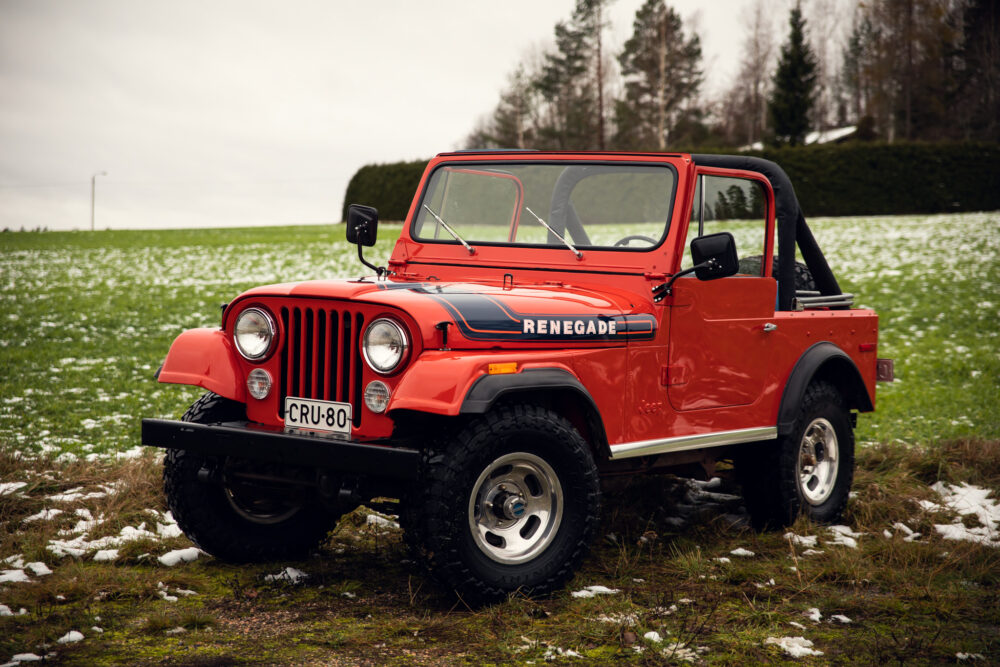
{"x":88,"y":317}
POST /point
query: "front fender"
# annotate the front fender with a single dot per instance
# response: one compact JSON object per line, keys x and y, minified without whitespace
{"x":441,"y":382}
{"x":204,"y":358}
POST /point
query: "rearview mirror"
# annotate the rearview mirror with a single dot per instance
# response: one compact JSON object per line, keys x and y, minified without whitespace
{"x":362,"y":225}
{"x":714,"y":256}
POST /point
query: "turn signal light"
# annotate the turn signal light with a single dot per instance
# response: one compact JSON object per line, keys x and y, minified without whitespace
{"x":500,"y":369}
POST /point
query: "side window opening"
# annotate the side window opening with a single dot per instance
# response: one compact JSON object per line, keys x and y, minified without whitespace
{"x":735,"y":205}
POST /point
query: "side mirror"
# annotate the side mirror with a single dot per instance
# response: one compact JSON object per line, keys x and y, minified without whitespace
{"x":362,"y":225}
{"x":714,"y":256}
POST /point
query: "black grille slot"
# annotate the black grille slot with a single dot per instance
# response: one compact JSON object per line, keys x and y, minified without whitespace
{"x":321,"y":356}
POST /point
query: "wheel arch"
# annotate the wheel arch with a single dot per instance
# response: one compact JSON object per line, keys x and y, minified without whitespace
{"x":828,"y":363}
{"x":555,"y":388}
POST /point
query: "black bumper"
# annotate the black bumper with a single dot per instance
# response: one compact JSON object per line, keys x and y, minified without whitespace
{"x":260,"y":444}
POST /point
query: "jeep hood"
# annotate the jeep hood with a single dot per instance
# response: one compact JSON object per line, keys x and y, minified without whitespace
{"x":487,"y":316}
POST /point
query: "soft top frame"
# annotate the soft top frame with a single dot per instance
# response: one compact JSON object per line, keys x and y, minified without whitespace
{"x":792,"y":227}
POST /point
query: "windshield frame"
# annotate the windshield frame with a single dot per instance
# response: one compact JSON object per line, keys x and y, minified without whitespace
{"x":499,"y":164}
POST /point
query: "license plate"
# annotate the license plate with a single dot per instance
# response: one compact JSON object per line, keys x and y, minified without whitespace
{"x":327,"y":416}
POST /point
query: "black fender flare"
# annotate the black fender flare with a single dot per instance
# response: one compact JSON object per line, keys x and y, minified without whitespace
{"x":828,"y":362}
{"x":488,"y":389}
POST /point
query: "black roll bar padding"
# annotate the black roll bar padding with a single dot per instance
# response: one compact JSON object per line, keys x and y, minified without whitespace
{"x":792,"y":227}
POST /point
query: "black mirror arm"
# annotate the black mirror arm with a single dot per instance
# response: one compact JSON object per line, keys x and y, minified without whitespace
{"x":379,"y":270}
{"x":666,"y":289}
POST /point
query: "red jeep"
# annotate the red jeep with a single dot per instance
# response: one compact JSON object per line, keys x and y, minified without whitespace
{"x":545,"y":320}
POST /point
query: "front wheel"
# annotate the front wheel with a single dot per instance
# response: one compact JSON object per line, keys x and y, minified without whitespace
{"x":228,"y":508}
{"x":809,"y":471}
{"x":509,"y":504}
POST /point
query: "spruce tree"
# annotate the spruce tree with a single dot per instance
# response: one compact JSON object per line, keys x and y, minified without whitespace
{"x":794,"y":85}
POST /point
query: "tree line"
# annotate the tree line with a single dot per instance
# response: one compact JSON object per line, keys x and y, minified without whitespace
{"x":903,"y":70}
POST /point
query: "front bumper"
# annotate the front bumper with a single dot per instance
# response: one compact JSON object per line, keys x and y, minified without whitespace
{"x":251,"y":441}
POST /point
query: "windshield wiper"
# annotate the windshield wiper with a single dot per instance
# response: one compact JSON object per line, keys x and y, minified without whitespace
{"x":579,"y":255}
{"x":472,"y":251}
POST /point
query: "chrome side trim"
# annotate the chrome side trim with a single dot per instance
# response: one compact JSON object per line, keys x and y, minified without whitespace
{"x":627,"y":450}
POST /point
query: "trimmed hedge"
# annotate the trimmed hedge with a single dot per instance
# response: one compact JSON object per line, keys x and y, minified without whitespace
{"x":387,"y":187}
{"x":830,"y":180}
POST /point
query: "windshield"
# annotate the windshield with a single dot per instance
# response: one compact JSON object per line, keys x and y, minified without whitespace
{"x":572,"y":206}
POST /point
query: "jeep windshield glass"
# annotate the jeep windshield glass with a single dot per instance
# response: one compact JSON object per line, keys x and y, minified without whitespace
{"x":590,"y":206}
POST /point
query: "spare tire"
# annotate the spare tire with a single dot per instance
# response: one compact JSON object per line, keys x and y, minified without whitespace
{"x":803,"y":276}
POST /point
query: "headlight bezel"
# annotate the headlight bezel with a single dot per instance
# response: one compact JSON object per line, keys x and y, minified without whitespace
{"x":404,"y":352}
{"x":272,"y":329}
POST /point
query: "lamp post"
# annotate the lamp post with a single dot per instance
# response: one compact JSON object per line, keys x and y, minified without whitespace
{"x":93,"y":188}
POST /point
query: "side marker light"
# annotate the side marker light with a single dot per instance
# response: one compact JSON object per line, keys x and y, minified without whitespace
{"x":504,"y":368}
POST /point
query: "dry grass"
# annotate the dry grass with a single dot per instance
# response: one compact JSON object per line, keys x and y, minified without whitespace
{"x":920,"y":601}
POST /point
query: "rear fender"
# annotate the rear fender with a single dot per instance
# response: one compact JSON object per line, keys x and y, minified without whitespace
{"x":204,"y":358}
{"x":823,"y":361}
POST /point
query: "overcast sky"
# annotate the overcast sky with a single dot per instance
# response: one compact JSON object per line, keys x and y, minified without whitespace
{"x":247,"y":113}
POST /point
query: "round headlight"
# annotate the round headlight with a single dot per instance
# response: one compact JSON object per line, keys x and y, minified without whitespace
{"x":384,"y":345}
{"x":254,"y":333}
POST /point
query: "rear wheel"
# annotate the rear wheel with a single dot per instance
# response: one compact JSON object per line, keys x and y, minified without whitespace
{"x":221,"y":508}
{"x":809,"y":471}
{"x":509,"y":504}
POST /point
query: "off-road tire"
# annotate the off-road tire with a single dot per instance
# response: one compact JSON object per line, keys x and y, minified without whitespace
{"x":204,"y":512}
{"x":804,"y":281}
{"x":770,"y":473}
{"x":450,"y":475}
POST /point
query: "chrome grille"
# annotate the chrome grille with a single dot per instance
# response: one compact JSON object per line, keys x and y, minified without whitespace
{"x":321,"y":357}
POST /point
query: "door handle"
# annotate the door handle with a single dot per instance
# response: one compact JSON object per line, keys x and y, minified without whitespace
{"x":770,"y":327}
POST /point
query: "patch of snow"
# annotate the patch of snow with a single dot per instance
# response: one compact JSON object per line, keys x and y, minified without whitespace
{"x":13,"y":576}
{"x":797,"y":647}
{"x":802,"y":540}
{"x":844,"y":530}
{"x":25,"y":657}
{"x":381,"y":521}
{"x":591,"y":591}
{"x":289,"y":574}
{"x":17,"y":560}
{"x":722,"y":559}
{"x":166,"y":596}
{"x":38,"y":568}
{"x":105,"y":555}
{"x":186,"y":592}
{"x":98,"y":630}
{"x":813,"y":552}
{"x":843,"y":536}
{"x":969,"y":656}
{"x":618,"y":619}
{"x":10,"y":487}
{"x":796,"y":625}
{"x":840,"y":618}
{"x":682,"y":652}
{"x":133,"y":453}
{"x":172,"y":558}
{"x":814,"y":615}
{"x":5,"y":610}
{"x":653,"y":636}
{"x":70,"y":637}
{"x":43,"y":515}
{"x":176,"y":631}
{"x":886,"y":534}
{"x":967,"y":499}
{"x":553,"y":652}
{"x":740,"y":551}
{"x":903,"y":527}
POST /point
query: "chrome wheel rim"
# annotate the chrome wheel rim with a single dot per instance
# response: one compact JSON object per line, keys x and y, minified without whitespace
{"x":818,"y":461}
{"x":515,"y":508}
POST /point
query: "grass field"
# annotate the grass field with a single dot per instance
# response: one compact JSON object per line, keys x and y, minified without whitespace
{"x":88,"y":317}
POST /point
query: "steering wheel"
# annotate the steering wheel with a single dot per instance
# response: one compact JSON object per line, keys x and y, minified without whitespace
{"x":634,"y":237}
